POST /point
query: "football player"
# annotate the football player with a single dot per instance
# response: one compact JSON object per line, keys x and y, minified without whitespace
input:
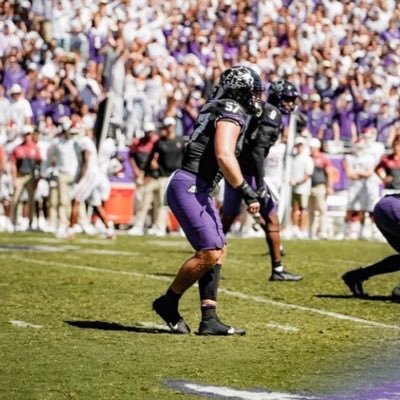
{"x":386,"y":217}
{"x":209,"y":156}
{"x":261,"y":134}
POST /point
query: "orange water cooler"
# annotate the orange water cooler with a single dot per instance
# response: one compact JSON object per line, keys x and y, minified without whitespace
{"x":120,"y":205}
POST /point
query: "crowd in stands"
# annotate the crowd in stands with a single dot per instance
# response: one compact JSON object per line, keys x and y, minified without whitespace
{"x":159,"y":60}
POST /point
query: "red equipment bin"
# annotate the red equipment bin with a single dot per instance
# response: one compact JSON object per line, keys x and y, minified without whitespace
{"x":120,"y":205}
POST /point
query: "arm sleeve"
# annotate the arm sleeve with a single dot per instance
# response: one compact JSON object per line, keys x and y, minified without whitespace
{"x":266,"y":137}
{"x":258,"y":157}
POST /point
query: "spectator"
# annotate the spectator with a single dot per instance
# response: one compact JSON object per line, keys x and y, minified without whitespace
{"x":327,"y":131}
{"x":25,"y":170}
{"x":300,"y":181}
{"x":190,"y":110}
{"x":97,"y":39}
{"x":6,"y":191}
{"x":20,"y":110}
{"x":321,"y":188}
{"x":62,"y":165}
{"x":388,"y":168}
{"x":315,"y":116}
{"x":344,"y":127}
{"x":8,"y":38}
{"x":363,"y":189}
{"x":166,"y":158}
{"x":385,"y":125}
{"x":4,"y":112}
{"x":145,"y":176}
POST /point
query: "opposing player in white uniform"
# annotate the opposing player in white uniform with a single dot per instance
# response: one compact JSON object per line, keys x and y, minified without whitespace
{"x":88,"y":183}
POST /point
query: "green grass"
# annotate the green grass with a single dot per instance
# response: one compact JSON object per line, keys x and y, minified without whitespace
{"x":78,"y":293}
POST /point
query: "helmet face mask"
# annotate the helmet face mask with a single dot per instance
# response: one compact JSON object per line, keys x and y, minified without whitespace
{"x":283,"y":95}
{"x":244,"y":85}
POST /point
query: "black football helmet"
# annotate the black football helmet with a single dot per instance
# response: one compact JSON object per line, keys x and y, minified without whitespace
{"x":283,"y":95}
{"x":243,"y":85}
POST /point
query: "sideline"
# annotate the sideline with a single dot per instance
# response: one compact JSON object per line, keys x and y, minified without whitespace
{"x":239,"y":295}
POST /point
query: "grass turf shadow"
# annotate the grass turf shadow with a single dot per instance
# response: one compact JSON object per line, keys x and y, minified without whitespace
{"x":365,"y":297}
{"x":113,"y":326}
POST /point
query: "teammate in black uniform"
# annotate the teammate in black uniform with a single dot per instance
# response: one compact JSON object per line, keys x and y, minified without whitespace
{"x":261,"y":134}
{"x":387,"y":218}
{"x":209,"y":155}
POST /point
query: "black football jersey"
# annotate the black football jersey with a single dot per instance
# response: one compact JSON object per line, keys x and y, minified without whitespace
{"x":260,"y":136}
{"x":199,"y":156}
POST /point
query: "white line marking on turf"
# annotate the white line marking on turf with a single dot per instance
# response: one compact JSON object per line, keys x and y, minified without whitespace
{"x":284,"y":328}
{"x":263,"y":300}
{"x":110,"y":252}
{"x":23,"y":324}
{"x":163,"y":243}
{"x":152,"y":325}
{"x":92,"y":269}
{"x":229,"y":393}
{"x":239,"y":295}
{"x":67,"y":249}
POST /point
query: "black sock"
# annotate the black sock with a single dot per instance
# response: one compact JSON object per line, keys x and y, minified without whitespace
{"x":208,"y":283}
{"x":172,"y":297}
{"x":208,"y":312}
{"x":385,"y":266}
{"x":276,"y":264}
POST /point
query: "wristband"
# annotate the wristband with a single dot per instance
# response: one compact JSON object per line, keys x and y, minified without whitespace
{"x":248,"y":194}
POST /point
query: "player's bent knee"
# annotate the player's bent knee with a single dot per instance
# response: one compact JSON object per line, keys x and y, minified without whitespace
{"x":210,"y":257}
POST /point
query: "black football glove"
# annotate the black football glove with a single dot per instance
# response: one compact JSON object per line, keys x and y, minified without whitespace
{"x":262,"y":195}
{"x":248,"y":194}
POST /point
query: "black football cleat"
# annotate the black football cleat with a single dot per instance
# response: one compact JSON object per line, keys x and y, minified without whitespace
{"x":170,"y":316}
{"x":354,"y":282}
{"x":396,"y":293}
{"x":284,"y":276}
{"x":214,"y":327}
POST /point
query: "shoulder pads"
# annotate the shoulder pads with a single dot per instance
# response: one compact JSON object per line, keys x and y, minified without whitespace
{"x":227,"y":108}
{"x":271,"y":116}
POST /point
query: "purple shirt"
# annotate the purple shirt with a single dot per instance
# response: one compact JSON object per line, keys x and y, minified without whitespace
{"x":315,"y":119}
{"x":364,"y":119}
{"x":38,"y":106}
{"x":57,"y":110}
{"x":345,"y":119}
{"x":383,"y":125}
{"x":96,"y":43}
{"x":12,"y":76}
{"x":327,"y":120}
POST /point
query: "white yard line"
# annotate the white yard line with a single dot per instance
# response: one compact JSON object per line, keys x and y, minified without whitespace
{"x":91,"y":269}
{"x":280,"y":327}
{"x":335,"y":315}
{"x":239,"y":295}
{"x":224,"y":392}
{"x":23,"y":324}
{"x":66,"y":249}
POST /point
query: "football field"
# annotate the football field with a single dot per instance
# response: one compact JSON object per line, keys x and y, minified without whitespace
{"x":76,"y":323}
